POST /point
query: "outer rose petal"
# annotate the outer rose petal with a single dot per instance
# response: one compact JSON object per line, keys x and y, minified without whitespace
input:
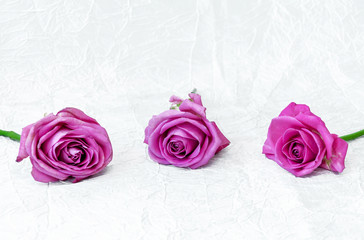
{"x":174,"y":99}
{"x":317,"y":124}
{"x":76,"y":113}
{"x":224,"y":141}
{"x":34,"y":131}
{"x":156,"y":158}
{"x":157,"y":119}
{"x":192,"y":107}
{"x":42,"y":177}
{"x":22,"y":150}
{"x":337,"y":161}
{"x":294,"y":109}
{"x":146,"y":134}
{"x":212,"y":148}
{"x":195,"y":98}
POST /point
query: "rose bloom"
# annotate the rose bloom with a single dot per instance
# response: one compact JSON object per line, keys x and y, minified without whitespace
{"x":299,"y":142}
{"x":67,"y":145}
{"x":184,"y":137}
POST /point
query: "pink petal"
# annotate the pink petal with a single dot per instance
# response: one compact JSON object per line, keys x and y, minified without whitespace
{"x":76,"y":113}
{"x":337,"y":161}
{"x":294,"y":109}
{"x":22,"y":150}
{"x":224,"y":141}
{"x":196,"y":98}
{"x":277,"y":127}
{"x":174,"y":99}
{"x":41,"y":177}
{"x":303,"y":114}
{"x":192,"y":107}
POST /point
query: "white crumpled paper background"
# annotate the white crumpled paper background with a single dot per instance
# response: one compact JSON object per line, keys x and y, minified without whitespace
{"x":119,"y":61}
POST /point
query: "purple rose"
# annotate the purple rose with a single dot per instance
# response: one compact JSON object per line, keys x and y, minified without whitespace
{"x":299,"y":142}
{"x":69,"y":144}
{"x":184,"y":137}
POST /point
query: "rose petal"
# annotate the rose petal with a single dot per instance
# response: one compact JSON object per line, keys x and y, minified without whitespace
{"x":306,"y":167}
{"x":49,"y":170}
{"x":317,"y":124}
{"x":188,"y":162}
{"x":22,"y":150}
{"x":180,"y":121}
{"x":196,"y":98}
{"x":277,"y":127}
{"x":189,"y":144}
{"x":294,"y":109}
{"x":289,"y":134}
{"x":33,"y":135}
{"x":293,"y":167}
{"x":191,"y":107}
{"x":76,"y":113}
{"x":213,"y":146}
{"x":42,"y":177}
{"x":310,"y":139}
{"x":318,"y":144}
{"x":156,"y":121}
{"x":157,"y":159}
{"x":224,"y":141}
{"x":192,"y":130}
{"x":196,"y":151}
{"x":288,"y":148}
{"x":303,"y":114}
{"x":337,"y":161}
{"x":50,"y":138}
{"x":174,"y":99}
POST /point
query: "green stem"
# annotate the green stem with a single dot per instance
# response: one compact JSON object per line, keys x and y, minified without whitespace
{"x":10,"y":134}
{"x":353,"y":135}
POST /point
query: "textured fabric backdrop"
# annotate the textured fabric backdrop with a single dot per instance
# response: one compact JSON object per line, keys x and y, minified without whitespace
{"x":119,"y":61}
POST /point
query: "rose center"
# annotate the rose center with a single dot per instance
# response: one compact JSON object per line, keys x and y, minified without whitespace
{"x":74,"y":153}
{"x":176,"y":146}
{"x":297,"y":151}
